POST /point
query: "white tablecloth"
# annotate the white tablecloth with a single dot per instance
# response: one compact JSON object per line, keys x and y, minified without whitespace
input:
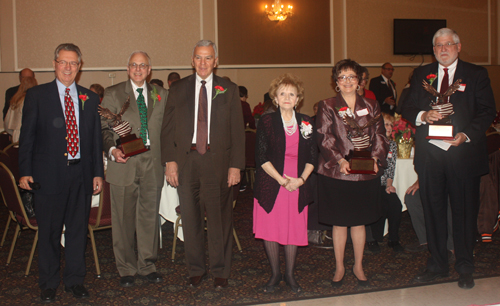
{"x":404,"y":177}
{"x":169,"y":201}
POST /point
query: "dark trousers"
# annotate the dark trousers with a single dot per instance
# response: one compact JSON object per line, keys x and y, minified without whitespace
{"x":202,"y":193}
{"x":70,"y":208}
{"x":391,"y":210}
{"x":438,"y":182}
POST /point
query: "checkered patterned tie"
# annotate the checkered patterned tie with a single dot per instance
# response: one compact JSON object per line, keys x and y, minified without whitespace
{"x":143,"y":114}
{"x":71,"y":127}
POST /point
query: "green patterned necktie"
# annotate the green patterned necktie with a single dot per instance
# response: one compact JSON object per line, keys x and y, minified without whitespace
{"x":143,"y":113}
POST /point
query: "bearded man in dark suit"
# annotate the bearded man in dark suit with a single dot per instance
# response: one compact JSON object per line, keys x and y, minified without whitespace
{"x":203,"y":146}
{"x":60,"y":147}
{"x":452,"y":172}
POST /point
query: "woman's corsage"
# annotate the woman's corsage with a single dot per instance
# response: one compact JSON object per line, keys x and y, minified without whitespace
{"x":155,"y":96}
{"x":345,"y":111}
{"x":306,"y":129}
{"x":431,"y":77}
{"x":219,"y":90}
{"x":83,"y":98}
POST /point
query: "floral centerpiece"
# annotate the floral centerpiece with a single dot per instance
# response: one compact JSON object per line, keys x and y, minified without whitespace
{"x":258,"y":110}
{"x":496,"y":122}
{"x":403,"y":133}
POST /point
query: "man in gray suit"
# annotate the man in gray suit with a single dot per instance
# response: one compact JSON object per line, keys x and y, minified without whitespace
{"x":136,"y":181}
{"x":203,"y":146}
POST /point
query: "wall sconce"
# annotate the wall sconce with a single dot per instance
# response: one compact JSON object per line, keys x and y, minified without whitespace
{"x":278,"y":11}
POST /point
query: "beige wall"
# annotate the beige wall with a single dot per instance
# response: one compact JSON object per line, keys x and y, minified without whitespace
{"x":109,"y":31}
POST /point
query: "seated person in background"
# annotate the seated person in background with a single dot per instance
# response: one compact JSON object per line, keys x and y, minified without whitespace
{"x":416,"y":211}
{"x":248,"y":119}
{"x":157,"y":82}
{"x":391,"y":205}
{"x":98,"y":89}
{"x":13,"y":118}
{"x":362,"y":91}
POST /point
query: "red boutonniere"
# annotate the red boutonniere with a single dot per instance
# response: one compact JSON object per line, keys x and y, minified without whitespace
{"x":219,"y":90}
{"x":431,"y":77}
{"x":83,"y":98}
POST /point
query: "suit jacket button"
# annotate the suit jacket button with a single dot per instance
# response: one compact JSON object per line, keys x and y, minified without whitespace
{"x":65,"y":154}
{"x":66,"y":138}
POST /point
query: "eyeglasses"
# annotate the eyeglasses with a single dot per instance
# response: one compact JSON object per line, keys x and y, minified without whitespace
{"x":343,"y":79}
{"x":64,"y":63}
{"x":390,"y":69}
{"x":446,"y":45}
{"x":140,"y":66}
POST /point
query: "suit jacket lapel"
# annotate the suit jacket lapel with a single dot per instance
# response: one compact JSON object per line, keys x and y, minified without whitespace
{"x":190,"y":94}
{"x":151,"y":102}
{"x":129,"y":90}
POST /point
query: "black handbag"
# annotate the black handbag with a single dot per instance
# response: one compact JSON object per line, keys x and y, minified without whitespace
{"x":28,"y":199}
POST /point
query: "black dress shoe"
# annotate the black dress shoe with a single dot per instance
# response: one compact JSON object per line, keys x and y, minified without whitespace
{"x":48,"y":295}
{"x":427,"y":276}
{"x":361,"y":283}
{"x":195,"y":281}
{"x":220,"y":283}
{"x":269,"y":288}
{"x":153,"y":277}
{"x":416,"y":247}
{"x":373,"y":247}
{"x":127,"y":281}
{"x":396,"y":246}
{"x":337,"y":284}
{"x":78,"y":291}
{"x":466,"y":281}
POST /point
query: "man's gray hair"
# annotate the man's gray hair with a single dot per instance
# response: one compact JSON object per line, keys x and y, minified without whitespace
{"x":68,"y":47}
{"x":206,"y":43}
{"x":139,"y":52}
{"x":445,"y":32}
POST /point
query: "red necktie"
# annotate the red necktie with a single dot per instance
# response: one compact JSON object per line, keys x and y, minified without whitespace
{"x":71,"y":127}
{"x":445,"y":83}
{"x":202,"y":125}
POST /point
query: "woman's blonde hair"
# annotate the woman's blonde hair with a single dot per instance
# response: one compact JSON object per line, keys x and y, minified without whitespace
{"x":287,"y":79}
{"x":18,"y":98}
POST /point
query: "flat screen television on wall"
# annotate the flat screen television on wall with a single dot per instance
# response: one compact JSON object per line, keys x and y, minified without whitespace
{"x":414,"y":36}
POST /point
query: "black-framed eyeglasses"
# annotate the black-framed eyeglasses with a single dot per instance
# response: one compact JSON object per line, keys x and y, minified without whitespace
{"x":64,"y":63}
{"x":344,"y":78}
{"x":140,"y":66}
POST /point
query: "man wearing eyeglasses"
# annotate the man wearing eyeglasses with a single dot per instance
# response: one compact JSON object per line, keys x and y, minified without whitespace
{"x":135,"y":181}
{"x":60,"y":148}
{"x":454,"y":168}
{"x":385,"y":89}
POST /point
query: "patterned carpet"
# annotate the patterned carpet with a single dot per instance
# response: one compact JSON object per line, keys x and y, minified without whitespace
{"x":315,"y":269}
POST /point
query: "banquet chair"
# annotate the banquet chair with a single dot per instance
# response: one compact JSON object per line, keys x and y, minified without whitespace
{"x":11,"y":198}
{"x":250,"y":136}
{"x":178,"y":223}
{"x":12,"y":152}
{"x":4,"y":158}
{"x":4,"y":140}
{"x":100,"y":219}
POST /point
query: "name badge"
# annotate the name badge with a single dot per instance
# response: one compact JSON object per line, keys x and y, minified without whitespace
{"x":362,"y":112}
{"x":462,"y":87}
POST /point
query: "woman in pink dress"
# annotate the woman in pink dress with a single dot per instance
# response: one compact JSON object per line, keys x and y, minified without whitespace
{"x":285,"y":154}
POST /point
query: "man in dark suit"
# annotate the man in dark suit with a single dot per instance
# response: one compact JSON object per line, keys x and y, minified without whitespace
{"x":136,"y":181}
{"x":26,"y":72}
{"x":452,"y":172}
{"x":385,"y":89}
{"x":203,"y":146}
{"x":60,"y":147}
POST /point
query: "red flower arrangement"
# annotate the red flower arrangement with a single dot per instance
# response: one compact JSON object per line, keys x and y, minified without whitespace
{"x":402,"y":130}
{"x":258,"y":110}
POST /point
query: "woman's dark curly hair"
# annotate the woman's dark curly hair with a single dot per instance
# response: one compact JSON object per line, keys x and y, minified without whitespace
{"x":346,"y":64}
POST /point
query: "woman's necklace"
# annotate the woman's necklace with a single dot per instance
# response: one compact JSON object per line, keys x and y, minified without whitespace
{"x":290,"y":125}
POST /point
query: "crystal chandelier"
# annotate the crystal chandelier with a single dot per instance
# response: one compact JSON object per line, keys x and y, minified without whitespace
{"x":278,"y":12}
